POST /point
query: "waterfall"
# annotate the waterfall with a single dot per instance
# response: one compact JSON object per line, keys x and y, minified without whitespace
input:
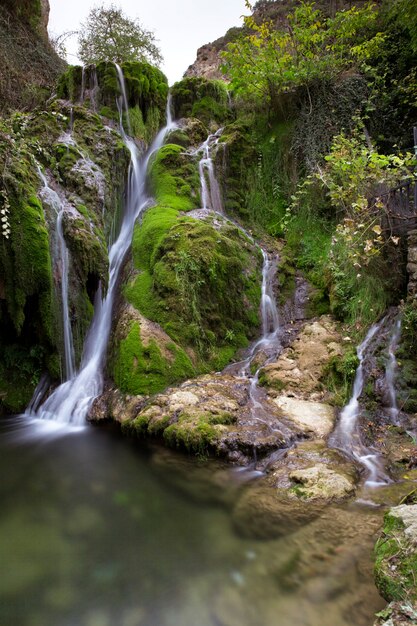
{"x":269,"y":344}
{"x":346,"y":435}
{"x":210,"y":190}
{"x":123,"y":105}
{"x":391,"y":372}
{"x":54,"y":201}
{"x":71,"y":401}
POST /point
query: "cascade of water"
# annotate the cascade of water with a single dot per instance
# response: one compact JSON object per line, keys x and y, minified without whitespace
{"x":54,"y":201}
{"x":391,"y":372}
{"x":210,"y":190}
{"x":71,"y":401}
{"x":123,"y":105}
{"x":346,"y":435}
{"x":269,"y":343}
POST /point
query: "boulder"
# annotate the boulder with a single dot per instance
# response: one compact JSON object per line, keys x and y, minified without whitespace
{"x":310,"y":417}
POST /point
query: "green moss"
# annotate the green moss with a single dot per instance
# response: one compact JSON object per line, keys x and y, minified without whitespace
{"x":192,"y":279}
{"x":196,"y":433}
{"x":395,"y":562}
{"x":174,"y":178}
{"x":140,"y":369}
{"x":146,"y":90}
{"x":69,"y":84}
{"x":201,"y":98}
{"x":339,"y":374}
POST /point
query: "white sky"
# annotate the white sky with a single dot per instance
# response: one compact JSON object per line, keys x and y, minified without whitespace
{"x":180,"y":26}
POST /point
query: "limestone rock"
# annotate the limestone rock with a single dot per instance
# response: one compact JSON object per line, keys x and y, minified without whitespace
{"x":264,"y":513}
{"x":300,"y":367}
{"x":319,"y":482}
{"x":309,"y":417}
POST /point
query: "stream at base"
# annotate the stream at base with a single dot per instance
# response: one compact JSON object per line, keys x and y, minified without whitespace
{"x":96,"y":531}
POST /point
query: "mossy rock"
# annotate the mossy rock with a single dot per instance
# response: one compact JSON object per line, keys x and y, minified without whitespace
{"x":174,"y":178}
{"x":201,"y":98}
{"x":144,"y":359}
{"x":202,"y":285}
{"x":396,"y":554}
{"x":146,"y":92}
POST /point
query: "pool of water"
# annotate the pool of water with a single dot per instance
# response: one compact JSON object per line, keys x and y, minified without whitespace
{"x":97,"y":531}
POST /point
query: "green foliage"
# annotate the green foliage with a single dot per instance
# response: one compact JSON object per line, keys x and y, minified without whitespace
{"x":109,"y":35}
{"x":268,"y":61}
{"x":339,"y":374}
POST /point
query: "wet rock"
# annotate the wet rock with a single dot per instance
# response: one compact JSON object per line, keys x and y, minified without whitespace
{"x":313,"y":472}
{"x":310,"y":417}
{"x":320,"y":482}
{"x":115,"y":405}
{"x":300,"y":367}
{"x":264,"y":513}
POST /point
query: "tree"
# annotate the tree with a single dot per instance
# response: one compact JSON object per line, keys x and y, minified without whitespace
{"x":271,"y":60}
{"x":109,"y":35}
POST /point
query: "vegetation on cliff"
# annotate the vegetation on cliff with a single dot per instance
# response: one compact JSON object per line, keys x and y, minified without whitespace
{"x":29,"y":66}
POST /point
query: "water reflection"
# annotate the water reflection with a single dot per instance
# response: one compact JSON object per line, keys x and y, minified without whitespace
{"x":95,"y":531}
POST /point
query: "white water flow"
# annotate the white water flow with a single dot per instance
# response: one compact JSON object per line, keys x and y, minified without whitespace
{"x":269,"y":344}
{"x":210,"y":190}
{"x":124,"y":105}
{"x":71,"y":401}
{"x":54,"y":201}
{"x":391,"y":373}
{"x":346,"y":435}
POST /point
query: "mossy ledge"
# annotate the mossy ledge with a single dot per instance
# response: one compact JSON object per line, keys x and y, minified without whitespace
{"x":201,"y":98}
{"x":146,"y":90}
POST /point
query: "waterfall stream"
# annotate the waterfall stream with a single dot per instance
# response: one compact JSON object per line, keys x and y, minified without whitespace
{"x":347,"y":436}
{"x":71,"y":401}
{"x":54,"y":201}
{"x":391,"y":373}
{"x":269,"y":344}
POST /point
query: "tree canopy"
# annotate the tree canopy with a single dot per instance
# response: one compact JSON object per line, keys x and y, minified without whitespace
{"x":270,"y":60}
{"x":109,"y":35}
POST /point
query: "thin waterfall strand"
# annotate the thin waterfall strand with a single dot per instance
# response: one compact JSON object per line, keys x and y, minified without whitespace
{"x":346,"y":435}
{"x":52,"y":198}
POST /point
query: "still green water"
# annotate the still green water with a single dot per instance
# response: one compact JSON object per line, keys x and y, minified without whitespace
{"x":97,"y":531}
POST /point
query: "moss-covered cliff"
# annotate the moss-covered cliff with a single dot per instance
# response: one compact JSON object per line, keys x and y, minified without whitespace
{"x":84,"y":164}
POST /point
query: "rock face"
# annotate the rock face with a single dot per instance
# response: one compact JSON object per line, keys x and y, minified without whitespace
{"x":29,"y":65}
{"x":313,"y":418}
{"x":207,"y":63}
{"x":299,"y":368}
{"x":412,"y":263}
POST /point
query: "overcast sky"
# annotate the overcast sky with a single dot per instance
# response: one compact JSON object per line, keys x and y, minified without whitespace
{"x":181,"y":26}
